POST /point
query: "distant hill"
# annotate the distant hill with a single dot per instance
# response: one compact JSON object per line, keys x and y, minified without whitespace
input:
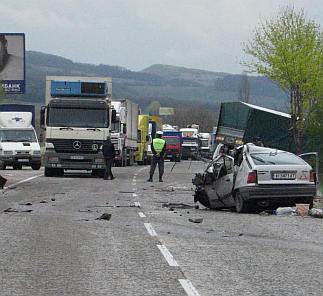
{"x":170,"y":85}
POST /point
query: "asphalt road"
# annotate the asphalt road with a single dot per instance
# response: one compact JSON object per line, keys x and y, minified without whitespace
{"x":60,"y":248}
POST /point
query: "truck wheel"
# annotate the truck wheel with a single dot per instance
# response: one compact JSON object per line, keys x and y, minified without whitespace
{"x":36,"y":166}
{"x":241,"y":205}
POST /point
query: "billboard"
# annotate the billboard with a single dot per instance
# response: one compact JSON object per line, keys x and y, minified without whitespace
{"x":166,"y":111}
{"x":12,"y":63}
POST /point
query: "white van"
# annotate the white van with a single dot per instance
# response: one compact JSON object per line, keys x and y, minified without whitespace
{"x":19,"y":145}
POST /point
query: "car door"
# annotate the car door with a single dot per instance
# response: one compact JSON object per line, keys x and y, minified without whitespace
{"x":224,"y":183}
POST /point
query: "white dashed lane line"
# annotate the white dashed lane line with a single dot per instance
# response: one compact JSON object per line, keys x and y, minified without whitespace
{"x":150,"y":229}
{"x":167,"y":255}
{"x":188,"y":287}
{"x":141,"y":215}
{"x":137,"y":204}
{"x":134,"y":195}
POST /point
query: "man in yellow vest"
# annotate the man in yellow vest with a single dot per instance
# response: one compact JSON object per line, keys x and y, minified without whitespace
{"x":158,"y":147}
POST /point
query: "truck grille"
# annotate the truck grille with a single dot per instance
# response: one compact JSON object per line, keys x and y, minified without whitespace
{"x":81,"y":146}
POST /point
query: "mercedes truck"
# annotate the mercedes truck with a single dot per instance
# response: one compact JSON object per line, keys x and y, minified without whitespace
{"x":77,"y":119}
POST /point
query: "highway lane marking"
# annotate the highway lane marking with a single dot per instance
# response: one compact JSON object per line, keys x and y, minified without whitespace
{"x":150,"y":229}
{"x":188,"y":287}
{"x":141,"y":215}
{"x":137,"y":204}
{"x":134,"y":189}
{"x":134,"y":195}
{"x":22,"y":181}
{"x":167,"y":255}
{"x":134,"y":184}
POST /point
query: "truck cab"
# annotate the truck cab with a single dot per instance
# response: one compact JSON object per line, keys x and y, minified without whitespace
{"x":205,"y":144}
{"x":190,"y":143}
{"x":77,"y":118}
{"x":173,"y":145}
{"x":18,"y":141}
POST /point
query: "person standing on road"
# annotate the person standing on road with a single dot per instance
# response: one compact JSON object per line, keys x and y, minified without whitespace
{"x":109,"y":155}
{"x":158,"y":148}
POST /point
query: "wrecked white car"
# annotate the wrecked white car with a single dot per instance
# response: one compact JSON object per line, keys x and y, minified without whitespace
{"x":254,"y":179}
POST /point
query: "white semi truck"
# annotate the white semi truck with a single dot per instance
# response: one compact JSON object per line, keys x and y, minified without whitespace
{"x":77,"y":119}
{"x":124,"y":131}
{"x":190,"y":145}
{"x":205,"y":144}
{"x":18,"y":141}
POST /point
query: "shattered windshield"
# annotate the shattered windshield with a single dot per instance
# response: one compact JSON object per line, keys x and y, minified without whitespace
{"x":279,"y":158}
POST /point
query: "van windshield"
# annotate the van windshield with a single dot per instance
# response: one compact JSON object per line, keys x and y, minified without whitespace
{"x":17,"y":135}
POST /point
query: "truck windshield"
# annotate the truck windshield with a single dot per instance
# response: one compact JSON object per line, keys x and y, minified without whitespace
{"x":17,"y":135}
{"x":77,"y":117}
{"x":172,"y":141}
{"x":204,"y":143}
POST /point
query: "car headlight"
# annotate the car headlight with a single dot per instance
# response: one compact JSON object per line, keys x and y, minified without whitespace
{"x":49,"y":145}
{"x":37,"y":152}
{"x":9,"y":152}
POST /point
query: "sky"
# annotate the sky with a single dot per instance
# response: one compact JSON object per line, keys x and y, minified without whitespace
{"x":201,"y":34}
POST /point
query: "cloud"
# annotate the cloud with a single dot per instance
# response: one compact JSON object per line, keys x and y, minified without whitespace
{"x":136,"y":33}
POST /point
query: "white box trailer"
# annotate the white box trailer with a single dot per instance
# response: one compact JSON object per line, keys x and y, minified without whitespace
{"x":18,"y":141}
{"x":124,"y":132}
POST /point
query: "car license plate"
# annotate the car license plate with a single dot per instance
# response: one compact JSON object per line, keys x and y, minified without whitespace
{"x":77,"y":157}
{"x":23,"y":160}
{"x":284,"y":176}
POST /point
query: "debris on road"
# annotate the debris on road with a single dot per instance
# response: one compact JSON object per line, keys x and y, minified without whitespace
{"x":178,"y":206}
{"x":10,"y":210}
{"x":285,"y":211}
{"x":266,"y":213}
{"x":316,"y":213}
{"x":196,"y":220}
{"x":302,"y":209}
{"x":43,"y":201}
{"x":104,"y":216}
{"x":53,"y":199}
{"x":27,"y":204}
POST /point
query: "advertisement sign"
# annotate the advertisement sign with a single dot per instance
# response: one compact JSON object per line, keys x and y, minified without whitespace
{"x":12,"y":63}
{"x":166,"y":111}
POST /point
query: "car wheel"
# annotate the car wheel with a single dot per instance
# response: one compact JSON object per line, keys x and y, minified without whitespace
{"x":241,"y":205}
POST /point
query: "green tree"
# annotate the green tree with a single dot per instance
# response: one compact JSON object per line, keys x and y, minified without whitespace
{"x":288,"y":49}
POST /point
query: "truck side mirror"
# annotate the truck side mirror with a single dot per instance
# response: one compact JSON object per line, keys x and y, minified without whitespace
{"x":42,"y":116}
{"x":113,"y":116}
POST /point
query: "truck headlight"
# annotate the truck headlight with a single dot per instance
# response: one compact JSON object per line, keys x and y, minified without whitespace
{"x":49,"y":145}
{"x":9,"y":152}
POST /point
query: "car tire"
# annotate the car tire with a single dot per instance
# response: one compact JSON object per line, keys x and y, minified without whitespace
{"x":241,"y":205}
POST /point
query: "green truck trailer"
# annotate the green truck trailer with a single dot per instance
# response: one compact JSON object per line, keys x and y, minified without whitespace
{"x":240,"y":122}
